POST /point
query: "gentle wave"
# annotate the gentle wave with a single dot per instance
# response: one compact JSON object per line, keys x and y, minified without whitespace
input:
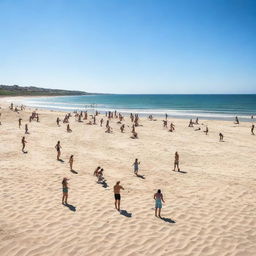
{"x":157,"y":112}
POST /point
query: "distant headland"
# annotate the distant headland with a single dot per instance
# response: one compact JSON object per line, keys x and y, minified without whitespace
{"x":16,"y":90}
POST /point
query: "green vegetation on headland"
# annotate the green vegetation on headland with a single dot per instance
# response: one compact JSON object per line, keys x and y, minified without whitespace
{"x":15,"y":90}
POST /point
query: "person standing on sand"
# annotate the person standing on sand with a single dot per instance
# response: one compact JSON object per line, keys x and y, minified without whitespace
{"x":58,"y":121}
{"x":176,"y":161}
{"x":68,"y":128}
{"x":117,"y":195}
{"x":20,"y":122}
{"x":221,"y":136}
{"x":136,"y":166}
{"x":58,"y":147}
{"x":158,"y":202}
{"x":206,"y":130}
{"x":23,"y":142}
{"x":65,"y":191}
{"x":252,"y":129}
{"x":26,"y":129}
{"x":71,"y":160}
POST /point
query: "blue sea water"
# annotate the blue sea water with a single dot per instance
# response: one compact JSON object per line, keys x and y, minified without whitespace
{"x":181,"y":106}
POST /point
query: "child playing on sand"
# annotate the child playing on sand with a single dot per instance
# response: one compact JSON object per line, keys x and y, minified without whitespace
{"x":176,"y":161}
{"x":100,"y":175}
{"x":158,"y":202}
{"x":65,"y":191}
{"x":172,"y":127}
{"x":122,"y":128}
{"x":136,"y":166}
{"x":71,"y":160}
{"x":117,"y":195}
{"x":134,"y":135}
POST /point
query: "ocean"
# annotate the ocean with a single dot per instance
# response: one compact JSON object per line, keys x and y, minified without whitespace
{"x":220,"y":107}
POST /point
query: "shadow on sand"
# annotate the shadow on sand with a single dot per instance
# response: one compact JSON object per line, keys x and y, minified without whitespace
{"x":73,"y":171}
{"x":168,"y":220}
{"x":180,"y":171}
{"x":60,"y":160}
{"x":103,"y":183}
{"x":126,"y":214}
{"x":71,"y":207}
{"x":141,"y":176}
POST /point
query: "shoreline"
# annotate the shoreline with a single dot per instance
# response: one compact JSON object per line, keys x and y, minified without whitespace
{"x":143,"y":113}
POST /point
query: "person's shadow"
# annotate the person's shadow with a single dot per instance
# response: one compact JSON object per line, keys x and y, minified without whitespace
{"x":60,"y":160}
{"x":103,"y":183}
{"x":168,"y":220}
{"x":182,"y":172}
{"x":73,"y":171}
{"x":71,"y":207}
{"x":140,"y":176}
{"x":125,"y":213}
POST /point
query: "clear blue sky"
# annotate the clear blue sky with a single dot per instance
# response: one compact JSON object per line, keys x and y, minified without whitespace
{"x":130,"y":46}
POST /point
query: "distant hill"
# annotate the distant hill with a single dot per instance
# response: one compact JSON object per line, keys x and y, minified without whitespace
{"x":16,"y":90}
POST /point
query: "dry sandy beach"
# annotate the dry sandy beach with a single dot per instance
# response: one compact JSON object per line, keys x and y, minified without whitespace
{"x":210,"y":207}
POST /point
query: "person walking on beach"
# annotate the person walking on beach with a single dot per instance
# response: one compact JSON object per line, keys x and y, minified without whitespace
{"x":252,"y":129}
{"x":65,"y":191}
{"x":158,"y":196}
{"x":23,"y":142}
{"x":20,"y":122}
{"x":176,"y":161}
{"x":71,"y":160}
{"x":117,"y":195}
{"x":221,"y":136}
{"x":58,"y":147}
{"x":136,"y":166}
{"x":236,"y":120}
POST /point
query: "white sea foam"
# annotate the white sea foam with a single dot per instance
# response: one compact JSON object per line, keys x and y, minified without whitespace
{"x":158,"y":112}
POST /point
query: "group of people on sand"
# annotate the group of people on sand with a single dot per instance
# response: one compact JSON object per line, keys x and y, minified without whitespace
{"x":110,"y":115}
{"x":158,"y":196}
{"x":98,"y":172}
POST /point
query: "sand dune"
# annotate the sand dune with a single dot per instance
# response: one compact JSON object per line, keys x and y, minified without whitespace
{"x":210,"y":206}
